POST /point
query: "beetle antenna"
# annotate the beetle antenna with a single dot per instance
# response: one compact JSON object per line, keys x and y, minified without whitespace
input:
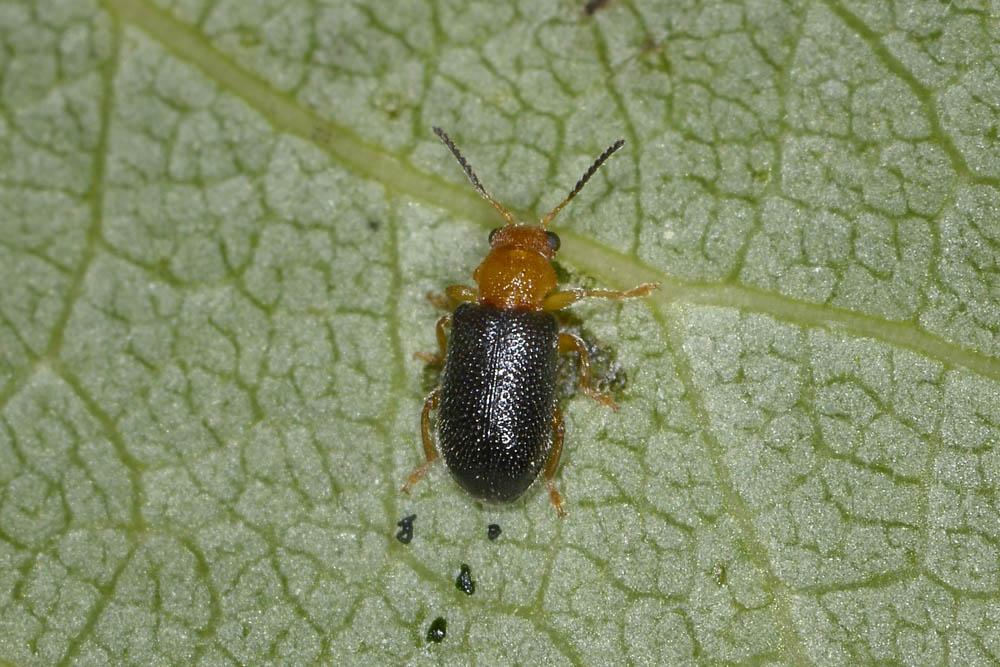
{"x":472,"y":175}
{"x":583,"y":180}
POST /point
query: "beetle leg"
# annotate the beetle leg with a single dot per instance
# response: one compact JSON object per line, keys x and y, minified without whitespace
{"x":442,"y":337}
{"x":438,"y":301}
{"x":430,"y":451}
{"x":452,"y":294}
{"x":442,"y":344}
{"x":567,"y":342}
{"x":558,"y":432}
{"x":560,"y":300}
{"x":459,"y":293}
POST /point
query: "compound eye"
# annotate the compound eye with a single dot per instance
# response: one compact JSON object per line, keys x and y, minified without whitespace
{"x":493,"y":234}
{"x":553,"y":240}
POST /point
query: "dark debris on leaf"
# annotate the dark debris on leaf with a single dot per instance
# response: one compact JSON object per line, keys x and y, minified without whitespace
{"x":464,"y":581}
{"x":405,"y":533}
{"x":593,"y":6}
{"x":437,"y":631}
{"x":493,"y":531}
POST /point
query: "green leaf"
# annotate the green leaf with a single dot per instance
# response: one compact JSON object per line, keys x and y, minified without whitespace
{"x":218,"y":222}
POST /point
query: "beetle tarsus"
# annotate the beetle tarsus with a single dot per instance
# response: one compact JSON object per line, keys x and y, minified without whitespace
{"x":603,"y":399}
{"x":416,"y":476}
{"x":554,"y":496}
{"x":438,"y":300}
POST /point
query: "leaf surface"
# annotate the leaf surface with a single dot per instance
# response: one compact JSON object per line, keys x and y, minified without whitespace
{"x":218,"y":221}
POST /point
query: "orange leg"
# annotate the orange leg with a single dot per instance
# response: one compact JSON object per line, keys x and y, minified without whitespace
{"x":452,"y":294}
{"x":559,"y":300}
{"x":558,"y":432}
{"x":430,"y":451}
{"x":438,"y":301}
{"x":460,"y":293}
{"x":567,"y":342}
{"x":444,"y":322}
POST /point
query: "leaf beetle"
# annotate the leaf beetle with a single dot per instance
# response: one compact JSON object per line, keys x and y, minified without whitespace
{"x":498,"y":424}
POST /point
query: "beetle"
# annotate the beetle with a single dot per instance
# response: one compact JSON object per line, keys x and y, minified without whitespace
{"x":498,"y":424}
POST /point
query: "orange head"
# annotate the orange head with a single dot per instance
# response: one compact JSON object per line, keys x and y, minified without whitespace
{"x":517,"y":272}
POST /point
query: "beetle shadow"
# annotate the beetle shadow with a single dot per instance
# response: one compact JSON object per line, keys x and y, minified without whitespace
{"x":431,"y":377}
{"x":607,"y":376}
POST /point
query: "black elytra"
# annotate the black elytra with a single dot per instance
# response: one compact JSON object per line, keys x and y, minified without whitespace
{"x":498,"y":396}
